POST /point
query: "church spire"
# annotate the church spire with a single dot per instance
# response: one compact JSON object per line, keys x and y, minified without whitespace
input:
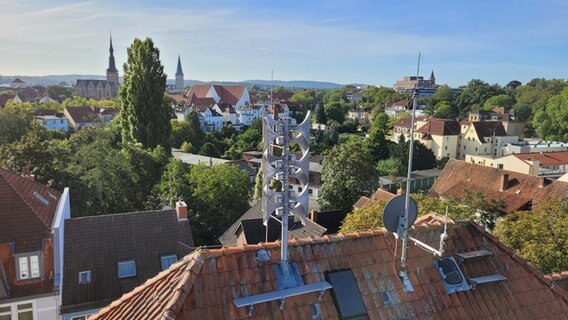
{"x":179,"y":70}
{"x":111,"y":63}
{"x":432,"y":78}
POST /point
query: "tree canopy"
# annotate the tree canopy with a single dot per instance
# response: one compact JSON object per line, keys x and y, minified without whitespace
{"x":145,"y":115}
{"x":540,"y":236}
{"x":348,"y":173}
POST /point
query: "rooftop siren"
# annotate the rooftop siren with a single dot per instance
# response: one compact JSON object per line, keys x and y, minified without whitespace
{"x":281,"y":164}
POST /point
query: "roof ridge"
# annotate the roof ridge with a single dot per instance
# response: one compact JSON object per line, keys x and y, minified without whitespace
{"x":120,"y":214}
{"x":188,"y":259}
{"x":48,"y":227}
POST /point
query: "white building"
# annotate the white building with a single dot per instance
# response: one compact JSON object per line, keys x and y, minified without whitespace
{"x":56,"y":122}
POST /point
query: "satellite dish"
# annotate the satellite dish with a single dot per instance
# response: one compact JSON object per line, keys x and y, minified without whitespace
{"x":394,"y":212}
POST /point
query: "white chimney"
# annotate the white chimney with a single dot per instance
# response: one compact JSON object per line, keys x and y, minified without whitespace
{"x":181,"y":210}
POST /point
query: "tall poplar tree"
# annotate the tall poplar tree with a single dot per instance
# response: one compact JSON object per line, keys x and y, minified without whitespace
{"x":145,"y":115}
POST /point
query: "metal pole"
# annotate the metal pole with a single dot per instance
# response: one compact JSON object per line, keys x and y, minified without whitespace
{"x":285,"y":199}
{"x":403,"y":265}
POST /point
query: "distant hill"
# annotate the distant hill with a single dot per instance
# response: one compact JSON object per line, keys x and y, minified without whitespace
{"x":71,"y":78}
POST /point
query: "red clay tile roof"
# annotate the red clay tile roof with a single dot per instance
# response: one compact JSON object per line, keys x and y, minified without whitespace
{"x":380,"y":194}
{"x":406,"y":103}
{"x":27,"y":209}
{"x":440,"y":127}
{"x":204,"y":284}
{"x":486,"y":129}
{"x":83,"y":114}
{"x":545,"y":158}
{"x":559,"y":278}
{"x":460,"y":177}
{"x":405,"y":122}
{"x":200,"y":101}
{"x":227,"y":94}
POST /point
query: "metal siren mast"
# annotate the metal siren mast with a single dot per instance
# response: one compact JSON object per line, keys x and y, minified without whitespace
{"x":281,"y":164}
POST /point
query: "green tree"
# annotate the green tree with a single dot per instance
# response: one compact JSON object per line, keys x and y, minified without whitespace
{"x":348,"y":173}
{"x":551,"y":122}
{"x":220,"y":195}
{"x":306,"y":97}
{"x":174,"y":184}
{"x":14,"y":124}
{"x":474,"y":95}
{"x":334,"y":111}
{"x":487,"y":210}
{"x":371,"y":217}
{"x":501,"y":100}
{"x":539,"y":236}
{"x":145,"y":115}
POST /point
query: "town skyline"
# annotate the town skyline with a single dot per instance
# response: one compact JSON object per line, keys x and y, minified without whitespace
{"x":321,"y":41}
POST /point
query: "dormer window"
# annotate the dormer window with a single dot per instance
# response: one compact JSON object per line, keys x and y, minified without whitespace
{"x":28,"y":266}
{"x":126,"y":269}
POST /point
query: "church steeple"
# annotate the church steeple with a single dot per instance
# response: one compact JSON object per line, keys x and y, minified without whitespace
{"x":432,"y":78}
{"x":179,"y":76}
{"x":179,"y":70}
{"x":111,"y":64}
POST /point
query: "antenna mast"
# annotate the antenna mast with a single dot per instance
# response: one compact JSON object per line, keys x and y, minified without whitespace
{"x":403,"y":274}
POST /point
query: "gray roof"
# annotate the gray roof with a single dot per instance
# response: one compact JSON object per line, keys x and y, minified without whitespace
{"x":311,"y":228}
{"x":194,"y":159}
{"x":98,"y":243}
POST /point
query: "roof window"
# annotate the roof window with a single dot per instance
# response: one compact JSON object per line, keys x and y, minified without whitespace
{"x":346,"y":295}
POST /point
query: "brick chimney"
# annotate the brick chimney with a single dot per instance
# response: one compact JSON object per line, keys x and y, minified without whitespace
{"x":504,"y":182}
{"x":314,"y":216}
{"x":543,"y":182}
{"x":181,"y":210}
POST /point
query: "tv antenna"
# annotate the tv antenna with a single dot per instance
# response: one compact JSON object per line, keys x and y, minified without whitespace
{"x":400,"y":212}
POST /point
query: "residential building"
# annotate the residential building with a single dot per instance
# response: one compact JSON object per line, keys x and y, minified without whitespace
{"x":484,"y":138}
{"x":517,"y":191}
{"x":54,"y":122}
{"x":107,"y":256}
{"x":210,"y":120}
{"x":101,"y":89}
{"x":105,"y":114}
{"x":227,"y":111}
{"x":350,"y":276}
{"x":179,"y":76}
{"x":31,"y":247}
{"x":195,"y":159}
{"x":534,"y":145}
{"x":512,"y":126}
{"x":362,"y":116}
{"x":18,"y":84}
{"x":247,"y":115}
{"x":410,"y":83}
{"x":237,"y":96}
{"x":442,"y":136}
{"x":82,"y":117}
{"x":249,"y":228}
{"x":354,"y":94}
{"x":402,"y":127}
{"x":398,"y":107}
{"x":548,"y":164}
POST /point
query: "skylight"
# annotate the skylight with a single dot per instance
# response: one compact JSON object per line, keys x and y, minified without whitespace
{"x":41,"y":198}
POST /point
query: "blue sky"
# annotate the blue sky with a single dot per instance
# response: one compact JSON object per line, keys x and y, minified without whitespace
{"x":360,"y":41}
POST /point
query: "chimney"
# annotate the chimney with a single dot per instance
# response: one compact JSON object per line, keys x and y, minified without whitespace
{"x":543,"y":182}
{"x":181,"y":210}
{"x":314,"y":216}
{"x":504,"y":182}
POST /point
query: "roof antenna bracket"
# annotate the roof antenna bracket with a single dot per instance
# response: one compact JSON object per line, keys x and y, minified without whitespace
{"x":251,"y":309}
{"x":282,"y":301}
{"x":320,"y":297}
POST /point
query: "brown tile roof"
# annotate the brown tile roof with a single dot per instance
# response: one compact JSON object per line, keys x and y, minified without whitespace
{"x":440,"y":127}
{"x":227,"y":94}
{"x":406,"y":103}
{"x":559,"y":278}
{"x":200,"y":101}
{"x":98,"y":243}
{"x":545,"y":158}
{"x":297,"y":230}
{"x":405,"y":122}
{"x":204,"y":284}
{"x":485,"y":129}
{"x":522,"y":191}
{"x":83,"y":114}
{"x":27,"y":210}
{"x":380,"y":194}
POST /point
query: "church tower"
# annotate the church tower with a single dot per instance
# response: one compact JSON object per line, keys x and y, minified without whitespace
{"x":112,"y":72}
{"x":432,"y":78}
{"x":179,"y":76}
